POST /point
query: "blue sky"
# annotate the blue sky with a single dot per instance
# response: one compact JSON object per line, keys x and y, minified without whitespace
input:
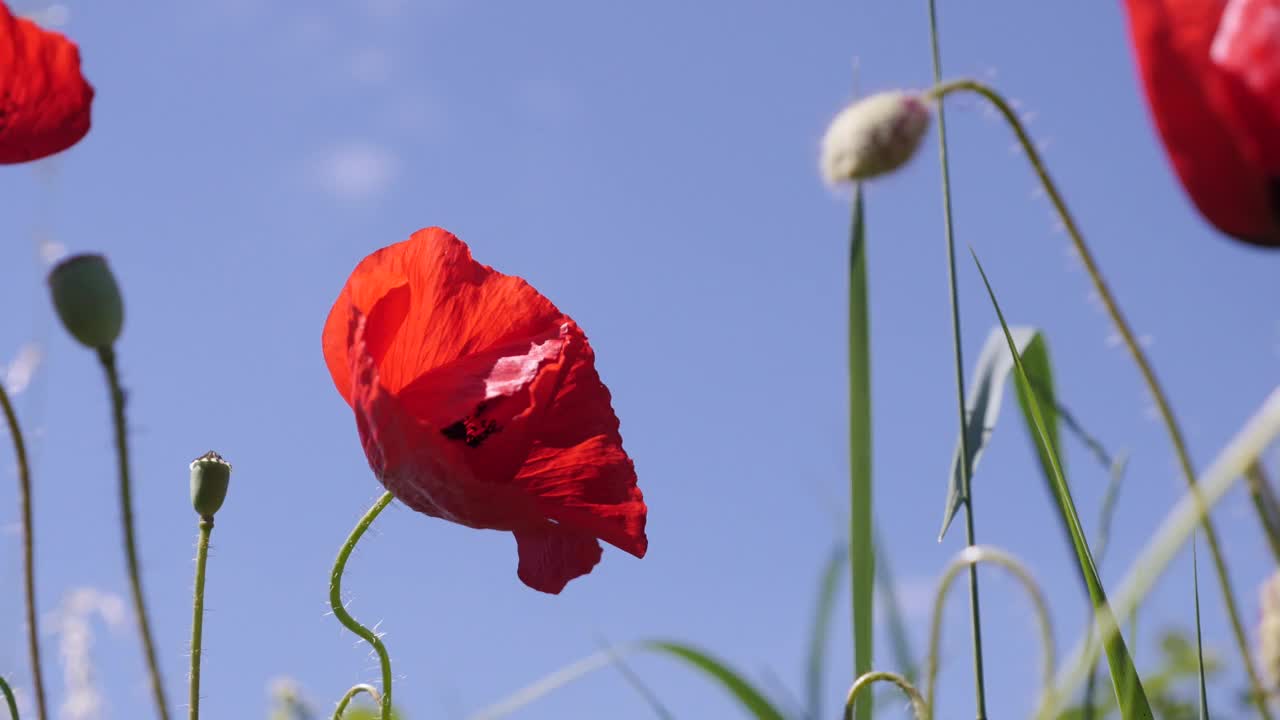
{"x":652,"y":169}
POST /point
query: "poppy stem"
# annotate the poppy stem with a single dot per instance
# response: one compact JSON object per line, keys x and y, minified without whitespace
{"x":340,"y":612}
{"x":197,"y":615}
{"x":1165,"y":410}
{"x":107,"y":356}
{"x":9,"y":699}
{"x":351,"y":694}
{"x":948,"y":224}
{"x":919,"y":709}
{"x":28,"y":552}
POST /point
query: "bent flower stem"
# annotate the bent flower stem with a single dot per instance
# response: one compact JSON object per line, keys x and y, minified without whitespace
{"x":340,"y":612}
{"x":968,"y":558}
{"x":919,"y":708}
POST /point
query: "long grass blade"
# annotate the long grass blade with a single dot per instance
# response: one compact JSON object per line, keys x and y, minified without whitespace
{"x":828,"y":588}
{"x":1195,"y":576}
{"x":1124,"y":677}
{"x":861,"y":544}
{"x":750,"y":697}
{"x":904,"y":658}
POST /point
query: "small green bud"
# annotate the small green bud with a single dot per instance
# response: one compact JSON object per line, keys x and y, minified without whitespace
{"x":88,"y":300}
{"x":210,"y":475}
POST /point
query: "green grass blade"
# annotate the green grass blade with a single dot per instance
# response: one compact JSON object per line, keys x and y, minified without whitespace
{"x":1195,"y":577}
{"x":861,"y":545}
{"x":982,"y":409}
{"x":752,"y":699}
{"x":747,"y":695}
{"x":828,"y":588}
{"x":1035,"y":361}
{"x":900,"y":640}
{"x":1124,"y":677}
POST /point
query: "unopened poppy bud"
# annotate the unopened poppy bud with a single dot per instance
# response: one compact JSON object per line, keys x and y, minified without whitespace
{"x":87,"y":299}
{"x":874,"y":136}
{"x":210,"y":475}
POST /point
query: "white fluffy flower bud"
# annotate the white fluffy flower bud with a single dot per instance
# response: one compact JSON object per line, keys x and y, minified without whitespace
{"x":874,"y":136}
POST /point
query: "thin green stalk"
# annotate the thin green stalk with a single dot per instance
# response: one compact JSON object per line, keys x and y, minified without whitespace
{"x":28,"y":552}
{"x":941,"y":90}
{"x":340,"y":612}
{"x":197,"y":614}
{"x":919,"y":709}
{"x":9,"y":699}
{"x":975,"y":613}
{"x":107,"y":357}
{"x":351,"y":695}
{"x":1264,"y":501}
{"x":862,"y":564}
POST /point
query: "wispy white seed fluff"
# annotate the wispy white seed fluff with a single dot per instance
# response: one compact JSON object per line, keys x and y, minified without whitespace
{"x":874,"y":136}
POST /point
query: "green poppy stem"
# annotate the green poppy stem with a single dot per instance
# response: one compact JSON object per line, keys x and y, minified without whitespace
{"x":351,"y":695}
{"x":197,"y":615}
{"x":28,"y":552}
{"x":340,"y":612}
{"x":1130,"y":340}
{"x":107,"y":356}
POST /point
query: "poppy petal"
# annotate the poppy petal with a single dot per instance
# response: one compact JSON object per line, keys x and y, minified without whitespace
{"x":44,"y":100}
{"x":454,"y":307}
{"x":1210,"y":128}
{"x":551,"y":556}
{"x":576,"y":467}
{"x":1246,"y":46}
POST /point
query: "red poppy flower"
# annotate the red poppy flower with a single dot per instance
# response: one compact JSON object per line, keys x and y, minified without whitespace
{"x":478,"y":402}
{"x":1211,"y":69}
{"x":44,"y":100}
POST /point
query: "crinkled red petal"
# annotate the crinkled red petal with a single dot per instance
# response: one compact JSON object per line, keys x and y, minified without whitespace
{"x":44,"y":100}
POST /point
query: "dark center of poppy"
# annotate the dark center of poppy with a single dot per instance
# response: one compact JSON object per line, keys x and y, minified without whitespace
{"x":471,"y":430}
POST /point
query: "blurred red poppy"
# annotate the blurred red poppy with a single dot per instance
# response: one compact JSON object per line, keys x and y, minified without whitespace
{"x":478,"y":402}
{"x":44,"y":100}
{"x":1211,"y":69}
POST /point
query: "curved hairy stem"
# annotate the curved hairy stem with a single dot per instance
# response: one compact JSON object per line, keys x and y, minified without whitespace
{"x":918,"y":706}
{"x":351,"y":694}
{"x":1139,"y":357}
{"x":197,"y":615}
{"x":340,"y":612}
{"x":28,"y":552}
{"x":968,"y":558}
{"x":9,"y":699}
{"x":966,"y":486}
{"x":107,"y":357}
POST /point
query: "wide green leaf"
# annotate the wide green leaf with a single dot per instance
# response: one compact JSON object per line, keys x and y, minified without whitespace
{"x":1124,"y":677}
{"x":982,"y":406}
{"x":861,"y":544}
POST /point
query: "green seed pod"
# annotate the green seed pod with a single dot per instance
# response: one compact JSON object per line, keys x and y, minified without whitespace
{"x":88,"y":299}
{"x":210,"y":475}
